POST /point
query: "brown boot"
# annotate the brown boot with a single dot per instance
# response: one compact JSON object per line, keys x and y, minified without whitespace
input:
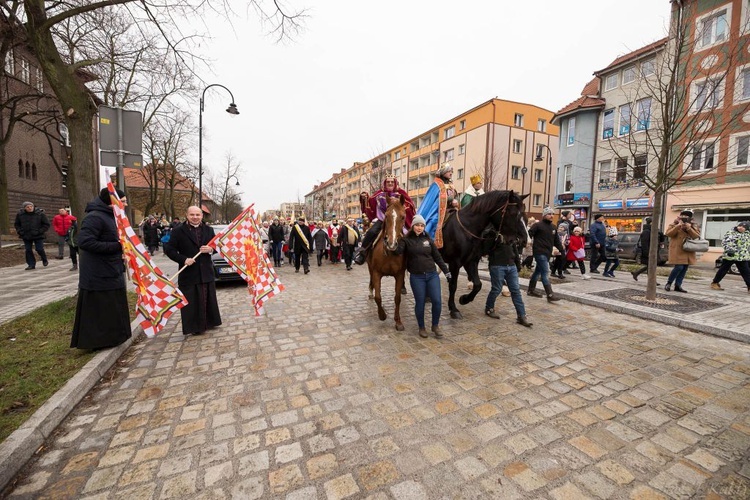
{"x":423,"y":333}
{"x":437,"y":332}
{"x":522,"y":320}
{"x":551,"y":297}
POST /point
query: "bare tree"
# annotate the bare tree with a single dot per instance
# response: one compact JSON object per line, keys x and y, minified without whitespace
{"x":677,"y":121}
{"x":60,"y":62}
{"x":224,"y":191}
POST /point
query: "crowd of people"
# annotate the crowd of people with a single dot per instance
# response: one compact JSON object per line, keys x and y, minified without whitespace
{"x":553,"y":248}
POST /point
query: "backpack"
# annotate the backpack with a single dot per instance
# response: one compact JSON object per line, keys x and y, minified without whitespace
{"x":72,"y":235}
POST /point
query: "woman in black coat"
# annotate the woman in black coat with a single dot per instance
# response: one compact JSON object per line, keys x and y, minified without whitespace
{"x":102,"y":313}
{"x":151,"y":235}
{"x":197,"y":280}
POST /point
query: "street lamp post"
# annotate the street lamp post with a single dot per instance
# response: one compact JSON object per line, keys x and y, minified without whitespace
{"x":232,"y":110}
{"x":524,"y":171}
{"x":548,"y":177}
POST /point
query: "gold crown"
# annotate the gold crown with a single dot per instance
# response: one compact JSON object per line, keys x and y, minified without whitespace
{"x":475,"y":178}
{"x":389,"y":177}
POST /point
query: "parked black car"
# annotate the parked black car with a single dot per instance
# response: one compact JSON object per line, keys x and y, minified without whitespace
{"x":732,"y":270}
{"x":222,"y":270}
{"x":629,"y":241}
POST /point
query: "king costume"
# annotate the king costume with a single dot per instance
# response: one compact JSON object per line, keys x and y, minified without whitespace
{"x":436,"y":203}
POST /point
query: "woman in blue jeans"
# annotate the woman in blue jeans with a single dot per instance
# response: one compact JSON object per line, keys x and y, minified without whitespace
{"x":681,"y":229}
{"x":421,"y":257}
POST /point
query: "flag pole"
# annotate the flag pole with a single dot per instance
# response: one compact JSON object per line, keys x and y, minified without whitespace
{"x":183,"y":267}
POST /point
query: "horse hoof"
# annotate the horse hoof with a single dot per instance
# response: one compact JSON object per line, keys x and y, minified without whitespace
{"x":400,"y":327}
{"x":456,"y":315}
{"x":464,"y":299}
{"x":382,"y":316}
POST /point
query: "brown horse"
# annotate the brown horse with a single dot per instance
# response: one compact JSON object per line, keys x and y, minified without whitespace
{"x":381,"y":260}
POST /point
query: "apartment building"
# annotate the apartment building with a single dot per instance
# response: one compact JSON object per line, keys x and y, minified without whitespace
{"x":579,"y":123}
{"x":511,"y":145}
{"x":628,"y":136}
{"x":714,"y":179}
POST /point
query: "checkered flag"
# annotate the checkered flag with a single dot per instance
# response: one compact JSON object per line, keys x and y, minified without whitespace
{"x":242,"y":247}
{"x":158,"y":298}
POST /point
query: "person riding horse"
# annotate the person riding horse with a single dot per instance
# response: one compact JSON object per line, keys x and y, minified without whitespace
{"x":374,"y":208}
{"x":438,"y":201}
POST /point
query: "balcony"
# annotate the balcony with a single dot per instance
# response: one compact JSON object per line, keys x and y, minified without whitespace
{"x":613,"y":185}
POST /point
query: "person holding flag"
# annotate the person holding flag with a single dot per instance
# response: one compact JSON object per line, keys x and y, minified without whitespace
{"x":188,"y":247}
{"x":102,"y":313}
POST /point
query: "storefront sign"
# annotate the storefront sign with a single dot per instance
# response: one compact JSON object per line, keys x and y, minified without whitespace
{"x":638,"y":202}
{"x":567,"y":199}
{"x":610,"y":205}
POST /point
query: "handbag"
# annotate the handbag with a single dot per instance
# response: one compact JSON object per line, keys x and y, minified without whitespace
{"x":579,"y":254}
{"x":695,"y":245}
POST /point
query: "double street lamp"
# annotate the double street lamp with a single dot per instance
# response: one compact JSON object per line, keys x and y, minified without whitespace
{"x":232,"y":110}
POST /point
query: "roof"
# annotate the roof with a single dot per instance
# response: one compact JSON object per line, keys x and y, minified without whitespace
{"x":591,"y":88}
{"x":583,"y":102}
{"x":632,"y":56}
{"x":137,"y":178}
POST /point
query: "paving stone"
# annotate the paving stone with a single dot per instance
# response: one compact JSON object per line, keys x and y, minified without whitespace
{"x":341,"y":487}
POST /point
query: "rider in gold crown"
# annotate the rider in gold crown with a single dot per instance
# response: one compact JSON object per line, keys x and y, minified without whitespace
{"x":374,"y":208}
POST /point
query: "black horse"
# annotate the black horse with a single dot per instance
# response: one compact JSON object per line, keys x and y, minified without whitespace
{"x":462,"y":237}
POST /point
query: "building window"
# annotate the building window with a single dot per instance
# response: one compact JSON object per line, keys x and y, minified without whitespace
{"x":518,"y":120}
{"x":397,"y":155}
{"x":644,"y":114}
{"x":608,"y":123}
{"x":605,"y":171}
{"x":424,"y":161}
{"x":539,"y":150}
{"x":448,"y":155}
{"x":462,"y":124}
{"x":396,"y":172}
{"x":711,"y":29}
{"x":610,"y":82}
{"x":621,"y":175}
{"x":28,"y":170}
{"x":517,"y":145}
{"x":39,"y":80}
{"x":461,"y":149}
{"x":639,"y":167}
{"x":537,"y":200}
{"x":413,"y":164}
{"x":702,"y":157}
{"x":413,"y":146}
{"x":742,"y":84}
{"x":541,"y":125}
{"x":20,"y":169}
{"x":515,"y":172}
{"x":460,"y":173}
{"x":628,"y":75}
{"x":568,"y":178}
{"x":25,"y":75}
{"x":450,"y":132}
{"x":538,"y":175}
{"x":624,"y":119}
{"x":10,"y":63}
{"x":707,"y":94}
{"x":648,"y":67}
{"x":739,"y":150}
{"x":571,"y":130}
{"x":33,"y":171}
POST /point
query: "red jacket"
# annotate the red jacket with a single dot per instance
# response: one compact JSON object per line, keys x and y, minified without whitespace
{"x":61,"y":223}
{"x":576,"y":243}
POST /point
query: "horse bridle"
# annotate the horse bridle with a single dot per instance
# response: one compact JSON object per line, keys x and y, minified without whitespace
{"x":504,"y":208}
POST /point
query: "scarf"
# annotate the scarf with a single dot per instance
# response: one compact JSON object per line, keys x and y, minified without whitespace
{"x":351,"y":235}
{"x":302,"y":236}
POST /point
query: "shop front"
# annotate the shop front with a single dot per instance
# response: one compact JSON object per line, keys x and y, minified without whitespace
{"x":626,"y":214}
{"x":578,"y":203}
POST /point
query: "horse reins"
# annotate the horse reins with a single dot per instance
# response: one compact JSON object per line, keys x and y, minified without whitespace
{"x":502,"y":208}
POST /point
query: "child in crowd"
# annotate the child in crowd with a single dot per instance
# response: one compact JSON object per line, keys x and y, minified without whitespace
{"x":577,"y":251}
{"x":611,"y":248}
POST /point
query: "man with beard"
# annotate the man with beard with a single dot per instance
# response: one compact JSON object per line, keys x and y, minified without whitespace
{"x":188,"y":246}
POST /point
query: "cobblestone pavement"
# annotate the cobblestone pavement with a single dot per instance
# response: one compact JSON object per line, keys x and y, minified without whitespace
{"x":319,"y":399}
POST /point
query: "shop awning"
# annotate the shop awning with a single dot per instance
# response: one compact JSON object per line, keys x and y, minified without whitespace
{"x":607,"y":214}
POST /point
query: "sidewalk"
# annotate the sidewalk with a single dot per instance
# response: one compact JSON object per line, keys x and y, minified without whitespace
{"x":719,"y":313}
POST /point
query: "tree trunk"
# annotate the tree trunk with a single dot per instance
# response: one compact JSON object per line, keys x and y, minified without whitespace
{"x":4,"y":209}
{"x":653,"y":247}
{"x":78,"y":108}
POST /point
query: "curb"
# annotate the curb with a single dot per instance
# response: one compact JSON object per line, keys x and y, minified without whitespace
{"x":24,"y":442}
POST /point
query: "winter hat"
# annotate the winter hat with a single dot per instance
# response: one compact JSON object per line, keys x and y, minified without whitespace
{"x":547,"y":211}
{"x":26,"y":204}
{"x":688,"y":213}
{"x":577,"y":229}
{"x":612,"y":231}
{"x":418,"y":219}
{"x":104,"y":195}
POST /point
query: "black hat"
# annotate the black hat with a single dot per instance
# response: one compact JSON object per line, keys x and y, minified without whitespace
{"x":598,"y":216}
{"x":104,"y":195}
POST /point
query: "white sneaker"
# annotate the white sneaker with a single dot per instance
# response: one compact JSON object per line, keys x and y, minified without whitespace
{"x":586,"y":276}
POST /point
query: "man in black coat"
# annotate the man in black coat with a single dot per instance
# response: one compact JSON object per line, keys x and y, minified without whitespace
{"x":31,"y":224}
{"x":188,"y":247}
{"x":276,"y":235}
{"x":300,"y":240}
{"x":348,"y":238}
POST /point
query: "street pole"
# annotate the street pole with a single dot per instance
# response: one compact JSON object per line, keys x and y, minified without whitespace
{"x":232,"y":110}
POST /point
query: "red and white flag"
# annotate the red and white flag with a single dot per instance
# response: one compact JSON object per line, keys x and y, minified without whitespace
{"x":242,"y":247}
{"x":158,"y":298}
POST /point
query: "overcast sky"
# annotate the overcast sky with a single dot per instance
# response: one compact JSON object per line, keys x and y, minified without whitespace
{"x":366,"y":76}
